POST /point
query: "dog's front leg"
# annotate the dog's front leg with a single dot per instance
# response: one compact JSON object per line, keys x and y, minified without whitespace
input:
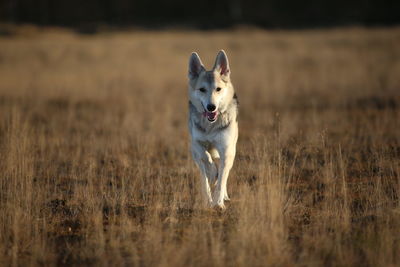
{"x":227,"y":157}
{"x":201,"y":157}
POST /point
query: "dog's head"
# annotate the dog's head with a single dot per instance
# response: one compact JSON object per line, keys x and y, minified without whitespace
{"x":209,"y":90}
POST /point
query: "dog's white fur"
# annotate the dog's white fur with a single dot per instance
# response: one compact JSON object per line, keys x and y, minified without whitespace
{"x":215,"y":139}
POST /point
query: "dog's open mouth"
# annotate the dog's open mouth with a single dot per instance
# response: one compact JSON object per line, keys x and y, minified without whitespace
{"x":211,"y":116}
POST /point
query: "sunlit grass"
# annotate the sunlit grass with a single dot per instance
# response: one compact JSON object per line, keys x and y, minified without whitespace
{"x":95,"y":165}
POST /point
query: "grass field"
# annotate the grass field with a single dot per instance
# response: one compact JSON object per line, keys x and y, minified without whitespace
{"x":95,"y":167}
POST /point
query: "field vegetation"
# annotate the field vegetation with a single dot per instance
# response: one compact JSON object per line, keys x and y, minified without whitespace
{"x":95,"y":167}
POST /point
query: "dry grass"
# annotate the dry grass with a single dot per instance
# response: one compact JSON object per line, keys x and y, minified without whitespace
{"x":95,"y":167}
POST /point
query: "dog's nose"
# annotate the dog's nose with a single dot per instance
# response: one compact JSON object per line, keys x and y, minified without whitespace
{"x":211,"y":107}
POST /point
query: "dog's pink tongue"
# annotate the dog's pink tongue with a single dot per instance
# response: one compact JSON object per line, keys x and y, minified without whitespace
{"x":212,"y":115}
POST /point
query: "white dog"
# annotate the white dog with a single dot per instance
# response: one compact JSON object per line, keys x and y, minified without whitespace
{"x":213,"y":126}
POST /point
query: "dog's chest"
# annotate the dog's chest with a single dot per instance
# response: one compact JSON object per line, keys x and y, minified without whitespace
{"x":206,"y":144}
{"x":203,"y":131}
{"x":204,"y":137}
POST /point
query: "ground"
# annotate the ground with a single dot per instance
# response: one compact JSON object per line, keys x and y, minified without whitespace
{"x":95,"y":167}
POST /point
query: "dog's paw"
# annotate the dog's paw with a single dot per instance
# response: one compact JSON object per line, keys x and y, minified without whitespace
{"x":219,"y":207}
{"x":226,"y":197}
{"x":208,"y":203}
{"x":218,"y":204}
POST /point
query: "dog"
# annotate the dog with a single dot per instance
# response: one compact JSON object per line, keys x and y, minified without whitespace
{"x":213,"y":125}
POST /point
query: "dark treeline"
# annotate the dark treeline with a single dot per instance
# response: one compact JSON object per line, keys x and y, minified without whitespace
{"x":203,"y":14}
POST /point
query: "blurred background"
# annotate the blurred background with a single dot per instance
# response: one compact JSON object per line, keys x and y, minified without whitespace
{"x":202,"y":14}
{"x":95,"y":167}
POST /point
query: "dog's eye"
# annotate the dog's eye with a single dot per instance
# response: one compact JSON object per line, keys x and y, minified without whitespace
{"x":218,"y":89}
{"x":202,"y":90}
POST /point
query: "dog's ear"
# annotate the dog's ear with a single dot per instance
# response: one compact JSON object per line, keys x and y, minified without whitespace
{"x":222,"y":64}
{"x":195,"y":66}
